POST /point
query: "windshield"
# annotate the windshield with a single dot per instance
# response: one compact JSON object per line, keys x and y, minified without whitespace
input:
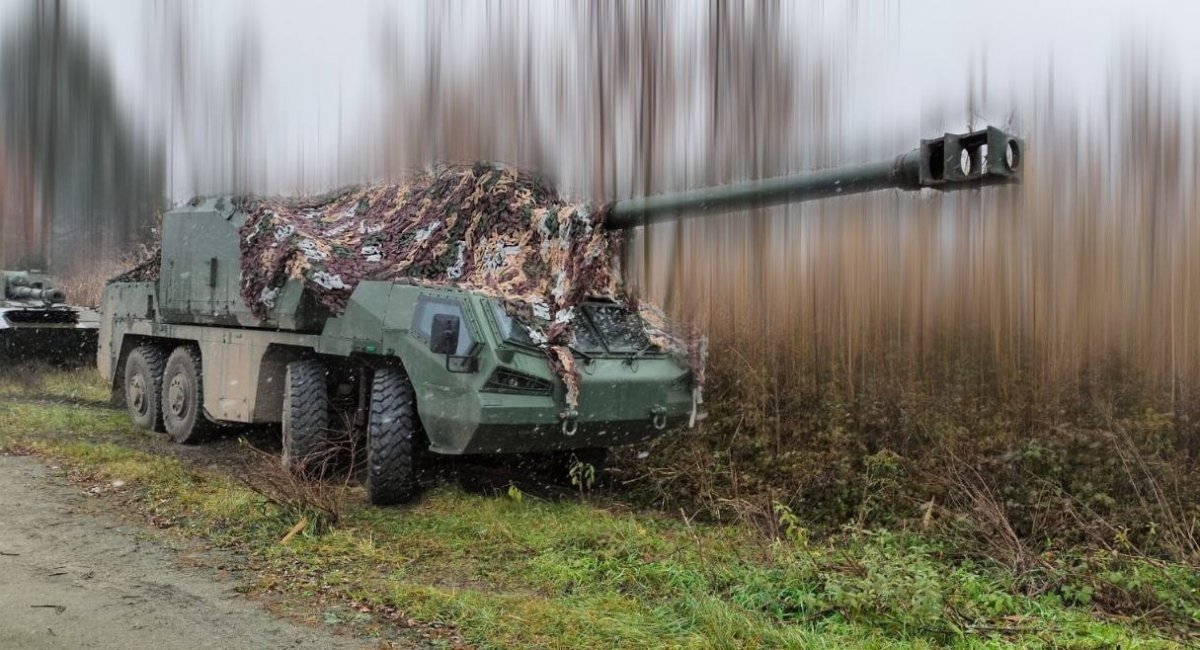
{"x":597,"y":329}
{"x":586,"y":340}
{"x":621,"y":329}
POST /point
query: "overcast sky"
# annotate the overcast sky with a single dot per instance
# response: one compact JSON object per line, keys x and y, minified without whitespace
{"x":907,"y":59}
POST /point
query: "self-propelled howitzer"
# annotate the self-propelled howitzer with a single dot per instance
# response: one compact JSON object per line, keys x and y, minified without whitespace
{"x":437,"y":358}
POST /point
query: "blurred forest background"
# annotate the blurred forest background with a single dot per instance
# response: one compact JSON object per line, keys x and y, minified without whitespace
{"x":1032,"y":350}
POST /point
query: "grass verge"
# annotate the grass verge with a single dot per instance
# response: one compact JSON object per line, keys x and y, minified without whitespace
{"x":516,"y":571}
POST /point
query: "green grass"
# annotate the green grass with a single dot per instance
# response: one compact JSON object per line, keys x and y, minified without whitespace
{"x":523,"y":572}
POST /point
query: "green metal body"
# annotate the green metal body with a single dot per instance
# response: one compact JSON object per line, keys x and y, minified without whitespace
{"x":493,"y":394}
{"x":36,"y":324}
{"x":620,"y":398}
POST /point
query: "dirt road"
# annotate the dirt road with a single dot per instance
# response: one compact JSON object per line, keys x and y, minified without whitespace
{"x":72,"y":576}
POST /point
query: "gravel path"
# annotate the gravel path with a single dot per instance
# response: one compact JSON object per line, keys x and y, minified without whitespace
{"x":72,"y":576}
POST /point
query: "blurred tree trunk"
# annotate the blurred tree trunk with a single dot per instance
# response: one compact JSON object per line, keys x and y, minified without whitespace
{"x":97,"y":185}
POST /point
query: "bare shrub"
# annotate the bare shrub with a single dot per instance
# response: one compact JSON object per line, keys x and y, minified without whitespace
{"x":316,"y":490}
{"x":1159,"y":496}
{"x":972,"y":501}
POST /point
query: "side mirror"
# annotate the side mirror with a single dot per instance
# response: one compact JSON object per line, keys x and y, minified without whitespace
{"x":443,"y":336}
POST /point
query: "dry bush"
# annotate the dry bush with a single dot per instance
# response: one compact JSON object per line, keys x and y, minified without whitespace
{"x":1162,"y":494}
{"x":84,"y":277}
{"x":1084,"y":466}
{"x":1116,"y":573}
{"x":318,"y":491}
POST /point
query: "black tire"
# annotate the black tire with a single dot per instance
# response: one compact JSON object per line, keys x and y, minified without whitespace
{"x":143,"y":387}
{"x":305,"y":416}
{"x":183,"y":397}
{"x":392,"y":434}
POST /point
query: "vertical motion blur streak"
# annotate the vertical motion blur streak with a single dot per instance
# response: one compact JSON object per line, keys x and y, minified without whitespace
{"x":78,"y":182}
{"x":1091,"y":261}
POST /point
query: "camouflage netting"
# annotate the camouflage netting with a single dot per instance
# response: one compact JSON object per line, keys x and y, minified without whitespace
{"x":492,"y":229}
{"x":146,"y":269}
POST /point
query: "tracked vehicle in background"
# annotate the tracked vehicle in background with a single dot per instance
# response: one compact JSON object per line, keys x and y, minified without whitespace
{"x":434,"y":367}
{"x":36,"y":323}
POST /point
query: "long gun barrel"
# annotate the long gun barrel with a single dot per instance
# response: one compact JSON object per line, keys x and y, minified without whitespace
{"x":29,"y":293}
{"x":19,"y":287}
{"x":952,"y":162}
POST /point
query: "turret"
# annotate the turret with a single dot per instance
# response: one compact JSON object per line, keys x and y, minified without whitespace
{"x":36,"y":322}
{"x":21,"y":286}
{"x":952,"y":162}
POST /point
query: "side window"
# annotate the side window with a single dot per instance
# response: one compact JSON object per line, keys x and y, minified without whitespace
{"x":427,"y":308}
{"x":510,"y":329}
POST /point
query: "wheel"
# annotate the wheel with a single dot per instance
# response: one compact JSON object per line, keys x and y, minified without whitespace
{"x":305,"y":416}
{"x":143,"y":387}
{"x":392,"y":432}
{"x":183,"y":397}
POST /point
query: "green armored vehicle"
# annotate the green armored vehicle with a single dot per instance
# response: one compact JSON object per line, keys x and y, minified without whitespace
{"x":502,"y":333}
{"x":36,"y":322}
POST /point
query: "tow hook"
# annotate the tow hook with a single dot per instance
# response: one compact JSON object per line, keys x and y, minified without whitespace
{"x":570,"y":422}
{"x":658,"y":417}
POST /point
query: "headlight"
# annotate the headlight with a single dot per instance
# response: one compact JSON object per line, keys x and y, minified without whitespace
{"x":511,"y":382}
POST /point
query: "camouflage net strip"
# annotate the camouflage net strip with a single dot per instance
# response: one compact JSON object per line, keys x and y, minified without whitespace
{"x":146,"y":268}
{"x":482,"y":227}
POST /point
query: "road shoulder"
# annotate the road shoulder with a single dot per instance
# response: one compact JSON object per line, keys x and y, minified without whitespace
{"x":73,"y":576}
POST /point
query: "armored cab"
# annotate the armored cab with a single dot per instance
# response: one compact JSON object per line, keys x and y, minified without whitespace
{"x":36,"y":323}
{"x":426,"y":353}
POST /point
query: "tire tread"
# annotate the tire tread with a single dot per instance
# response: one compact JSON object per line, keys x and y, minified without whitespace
{"x":155,"y":360}
{"x":201,"y":427}
{"x":308,"y":414}
{"x":392,"y":434}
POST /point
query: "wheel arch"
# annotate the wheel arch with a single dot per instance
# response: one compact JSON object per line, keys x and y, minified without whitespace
{"x":371,"y":363}
{"x":272,"y":374}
